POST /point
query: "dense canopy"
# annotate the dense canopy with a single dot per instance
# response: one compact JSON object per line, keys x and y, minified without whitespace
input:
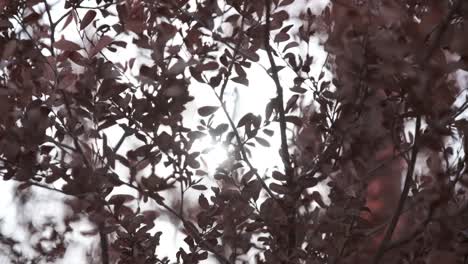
{"x":266,"y":131}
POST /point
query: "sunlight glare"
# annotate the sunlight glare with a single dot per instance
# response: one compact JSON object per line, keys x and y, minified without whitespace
{"x":213,"y":153}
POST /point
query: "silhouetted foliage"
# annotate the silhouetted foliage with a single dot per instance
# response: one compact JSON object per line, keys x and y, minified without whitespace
{"x":97,"y":104}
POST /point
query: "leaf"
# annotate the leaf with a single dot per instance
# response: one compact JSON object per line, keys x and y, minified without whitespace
{"x":207,"y":110}
{"x":68,"y":20}
{"x":110,"y":229}
{"x":119,"y":199}
{"x":24,"y":186}
{"x":191,"y":228}
{"x":268,"y":132}
{"x":178,"y":67}
{"x":203,"y":202}
{"x":281,"y":189}
{"x":286,"y":2}
{"x":246,"y":119}
{"x":109,"y":88}
{"x":262,"y":141}
{"x":193,"y":135}
{"x":251,"y":55}
{"x":239,"y":70}
{"x":252,"y":189}
{"x":167,"y":31}
{"x":241,"y":80}
{"x":308,"y":182}
{"x":201,"y":173}
{"x":87,"y":19}
{"x":233,"y":18}
{"x":290,"y":45}
{"x":210,"y":66}
{"x":279,"y":176}
{"x":215,"y":80}
{"x":192,"y":162}
{"x":91,"y":232}
{"x":329,"y":95}
{"x":277,"y":68}
{"x":31,"y":18}
{"x":100,"y":45}
{"x":269,"y":109}
{"x":120,"y":43}
{"x":247,"y":176}
{"x":281,"y":37}
{"x":66,"y":45}
{"x":202,"y":255}
{"x":322,"y":74}
{"x":199,"y":187}
{"x":324,"y":85}
{"x":291,"y":102}
{"x":77,"y":58}
{"x":196,"y":74}
{"x":287,"y":28}
{"x":298,"y":89}
{"x":318,"y":199}
{"x":252,"y":227}
{"x":280,"y":15}
{"x":220,"y":129}
{"x":46,"y":149}
{"x":294,"y":119}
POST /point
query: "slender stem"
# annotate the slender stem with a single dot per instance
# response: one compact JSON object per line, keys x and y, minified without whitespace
{"x":419,"y":230}
{"x":52,"y":27}
{"x":404,"y":194}
{"x":279,"y":91}
{"x":75,"y":139}
{"x":440,"y":33}
{"x":242,"y":150}
{"x":284,"y":151}
{"x":231,"y":122}
{"x":231,"y":65}
{"x":104,"y":244}
{"x":62,"y":17}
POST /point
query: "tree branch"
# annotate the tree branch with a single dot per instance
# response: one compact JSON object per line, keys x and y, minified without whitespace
{"x":231,"y":65}
{"x":279,"y":91}
{"x":231,"y":122}
{"x":242,"y":149}
{"x":284,"y":151}
{"x":404,"y":194}
{"x":104,"y":244}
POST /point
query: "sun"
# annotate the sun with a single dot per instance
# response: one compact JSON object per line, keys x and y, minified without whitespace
{"x":213,"y":153}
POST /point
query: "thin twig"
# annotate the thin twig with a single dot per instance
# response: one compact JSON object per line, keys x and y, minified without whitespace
{"x":420,"y":229}
{"x":75,"y":139}
{"x":403,"y":196}
{"x":388,"y":235}
{"x":231,"y":65}
{"x":279,"y":91}
{"x":231,"y":122}
{"x":242,"y":150}
{"x":285,"y":156}
{"x":52,"y":27}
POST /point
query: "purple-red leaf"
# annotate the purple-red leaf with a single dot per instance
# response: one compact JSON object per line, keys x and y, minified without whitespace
{"x":87,"y":19}
{"x":66,"y":45}
{"x":101,"y":44}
